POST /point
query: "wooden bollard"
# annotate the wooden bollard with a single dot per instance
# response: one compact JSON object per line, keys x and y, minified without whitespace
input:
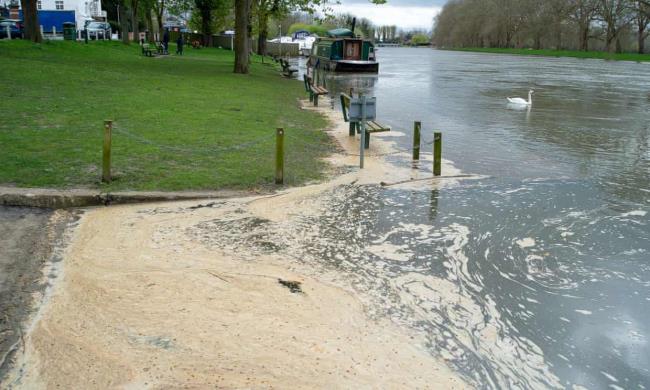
{"x":279,"y":156}
{"x":437,"y":153}
{"x":106,"y":154}
{"x":416,"y":140}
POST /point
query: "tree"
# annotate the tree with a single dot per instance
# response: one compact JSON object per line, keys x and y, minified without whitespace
{"x":159,"y":9}
{"x":124,"y":22}
{"x":583,"y":13}
{"x":616,"y":15}
{"x":242,"y":10}
{"x":30,"y":18}
{"x":420,"y":39}
{"x":135,"y":22}
{"x":642,"y":19}
{"x":204,"y":8}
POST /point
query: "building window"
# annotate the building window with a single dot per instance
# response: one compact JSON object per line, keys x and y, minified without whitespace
{"x":39,"y":4}
{"x":59,"y":4}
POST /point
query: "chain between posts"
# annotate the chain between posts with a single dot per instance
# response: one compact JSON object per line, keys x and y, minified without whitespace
{"x":205,"y":150}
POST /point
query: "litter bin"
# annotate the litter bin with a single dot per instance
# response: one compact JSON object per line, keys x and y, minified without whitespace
{"x":69,"y":31}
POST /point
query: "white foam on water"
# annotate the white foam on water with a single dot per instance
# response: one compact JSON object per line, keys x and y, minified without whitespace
{"x":635,"y":213}
{"x":584,"y":312}
{"x":527,"y":242}
{"x":390,"y":251}
{"x":609,"y":376}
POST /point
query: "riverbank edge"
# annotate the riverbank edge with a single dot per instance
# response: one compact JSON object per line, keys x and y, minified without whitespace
{"x":342,"y":156}
{"x":596,"y":55}
{"x":51,"y":198}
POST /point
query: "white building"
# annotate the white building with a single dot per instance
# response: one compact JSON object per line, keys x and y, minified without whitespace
{"x":84,"y":9}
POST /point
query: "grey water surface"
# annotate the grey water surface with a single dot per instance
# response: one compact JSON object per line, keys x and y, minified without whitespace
{"x":538,"y":276}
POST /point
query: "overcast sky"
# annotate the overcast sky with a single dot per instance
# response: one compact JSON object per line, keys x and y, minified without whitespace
{"x":403,"y":13}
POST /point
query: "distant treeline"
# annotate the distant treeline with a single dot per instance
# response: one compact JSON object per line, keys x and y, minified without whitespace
{"x":612,"y":25}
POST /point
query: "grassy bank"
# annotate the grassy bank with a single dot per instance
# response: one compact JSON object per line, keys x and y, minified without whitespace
{"x":563,"y":53}
{"x":180,"y":122}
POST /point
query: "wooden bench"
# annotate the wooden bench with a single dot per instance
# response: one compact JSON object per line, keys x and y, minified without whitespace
{"x":147,"y":51}
{"x":314,"y":91}
{"x":355,"y":127}
{"x":287,"y":70}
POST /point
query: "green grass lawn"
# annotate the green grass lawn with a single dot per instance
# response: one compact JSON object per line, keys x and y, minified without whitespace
{"x":178,"y":120}
{"x":564,"y":53}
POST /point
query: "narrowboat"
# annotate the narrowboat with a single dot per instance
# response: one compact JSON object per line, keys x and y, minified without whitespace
{"x":342,"y":51}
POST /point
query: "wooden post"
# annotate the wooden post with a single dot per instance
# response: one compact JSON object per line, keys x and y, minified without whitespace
{"x":279,"y":156}
{"x":437,"y":153}
{"x":416,"y":140}
{"x":106,"y":155}
{"x":362,"y":131}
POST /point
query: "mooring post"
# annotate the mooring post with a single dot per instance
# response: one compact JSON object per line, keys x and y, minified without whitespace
{"x":279,"y":156}
{"x":416,"y":140}
{"x":106,"y":154}
{"x":362,"y":131}
{"x":437,"y":153}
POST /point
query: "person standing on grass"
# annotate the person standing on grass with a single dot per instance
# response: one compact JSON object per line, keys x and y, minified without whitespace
{"x":179,"y":45}
{"x":166,"y":41}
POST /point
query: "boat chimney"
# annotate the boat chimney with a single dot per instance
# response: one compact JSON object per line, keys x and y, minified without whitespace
{"x":354,"y":22}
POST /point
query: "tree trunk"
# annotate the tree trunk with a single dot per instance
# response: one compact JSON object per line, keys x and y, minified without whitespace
{"x":124,"y":24}
{"x":263,"y":27}
{"x":206,"y":26}
{"x":249,"y":31}
{"x":160,"y":21}
{"x":134,"y":21}
{"x":641,"y":39}
{"x":149,"y":22}
{"x":610,"y":40}
{"x":242,"y":8}
{"x":159,"y":15}
{"x":584,"y":38}
{"x":30,"y":18}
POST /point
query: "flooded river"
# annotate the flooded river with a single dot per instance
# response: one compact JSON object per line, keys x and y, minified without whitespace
{"x":538,"y":276}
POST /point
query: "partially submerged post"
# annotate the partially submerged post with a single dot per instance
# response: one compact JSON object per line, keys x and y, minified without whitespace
{"x":416,"y":140}
{"x":106,"y":153}
{"x":279,"y":156}
{"x":437,"y":153}
{"x":362,"y":131}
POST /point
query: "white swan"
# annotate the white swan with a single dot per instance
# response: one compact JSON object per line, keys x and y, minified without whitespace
{"x":521,"y":101}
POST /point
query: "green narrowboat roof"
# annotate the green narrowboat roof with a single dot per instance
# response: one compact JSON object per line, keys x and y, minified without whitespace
{"x":340,"y":33}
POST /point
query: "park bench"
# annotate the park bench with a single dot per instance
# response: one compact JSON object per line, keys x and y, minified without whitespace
{"x":314,"y":91}
{"x":355,"y":127}
{"x":147,"y":51}
{"x":287,"y":70}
